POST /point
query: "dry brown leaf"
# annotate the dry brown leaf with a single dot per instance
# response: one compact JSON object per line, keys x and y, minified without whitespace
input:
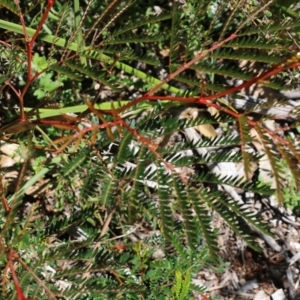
{"x":165,"y":52}
{"x":256,"y":140}
{"x":213,"y":111}
{"x":6,"y":161}
{"x":9,"y":180}
{"x":14,"y":151}
{"x":207,"y":130}
{"x":38,"y":189}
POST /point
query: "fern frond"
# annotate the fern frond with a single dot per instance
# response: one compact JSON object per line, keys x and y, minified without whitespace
{"x":245,"y":136}
{"x":10,"y":5}
{"x":107,"y":12}
{"x":219,"y":141}
{"x":258,"y":56}
{"x":274,"y":160}
{"x":98,"y":55}
{"x":225,"y":157}
{"x":290,"y":159}
{"x":128,"y":55}
{"x":217,"y":204}
{"x":109,"y":191}
{"x":124,"y":148}
{"x":235,"y":73}
{"x":252,"y":43}
{"x":134,"y":39}
{"x":244,"y":211}
{"x":265,"y":106}
{"x":174,"y":43}
{"x":178,"y":283}
{"x":97,"y":75}
{"x":151,"y":125}
{"x":75,"y":162}
{"x":136,"y":196}
{"x":66,"y":71}
{"x":187,"y":158}
{"x":203,"y":220}
{"x":236,"y":182}
{"x":184,"y":205}
{"x":61,"y":225}
{"x":164,"y":199}
{"x":294,"y":148}
{"x":91,"y":183}
{"x":291,"y":24}
{"x":232,"y":72}
{"x":142,"y":22}
{"x":185,"y":286}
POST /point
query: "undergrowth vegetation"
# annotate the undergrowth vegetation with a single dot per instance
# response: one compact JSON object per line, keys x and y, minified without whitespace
{"x":133,"y":122}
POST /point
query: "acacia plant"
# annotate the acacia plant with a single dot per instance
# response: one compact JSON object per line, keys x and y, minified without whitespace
{"x":114,"y":161}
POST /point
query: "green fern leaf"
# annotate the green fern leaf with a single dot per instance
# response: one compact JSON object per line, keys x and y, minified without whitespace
{"x":203,"y":220}
{"x":290,"y":159}
{"x":174,"y":42}
{"x":129,"y":55}
{"x":124,"y":148}
{"x":294,"y":24}
{"x":183,"y":202}
{"x":135,"y":39}
{"x":66,"y":71}
{"x":236,"y":182}
{"x":252,"y":43}
{"x":216,"y":202}
{"x":136,"y":195}
{"x":245,"y":55}
{"x":10,"y":5}
{"x":75,"y":163}
{"x":278,"y":173}
{"x":245,"y":136}
{"x":185,"y":285}
{"x":109,"y":191}
{"x":165,"y":210}
{"x":144,"y":21}
{"x":245,"y":212}
{"x":235,"y":73}
{"x":178,"y":283}
{"x":86,"y":70}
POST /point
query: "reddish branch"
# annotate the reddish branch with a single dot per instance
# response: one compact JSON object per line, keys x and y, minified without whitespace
{"x":29,"y":46}
{"x":2,"y":195}
{"x":71,"y":124}
{"x":11,"y":254}
{"x":205,"y":100}
{"x":20,"y":295}
{"x":198,"y":57}
{"x":291,"y":63}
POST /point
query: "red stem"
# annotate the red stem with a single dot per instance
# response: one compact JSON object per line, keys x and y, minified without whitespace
{"x":29,"y":46}
{"x":3,"y":198}
{"x":203,"y":100}
{"x":273,"y":71}
{"x":30,"y":43}
{"x":15,"y":280}
{"x":188,"y":64}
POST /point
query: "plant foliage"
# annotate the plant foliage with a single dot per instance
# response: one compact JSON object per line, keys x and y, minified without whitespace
{"x":117,"y":168}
